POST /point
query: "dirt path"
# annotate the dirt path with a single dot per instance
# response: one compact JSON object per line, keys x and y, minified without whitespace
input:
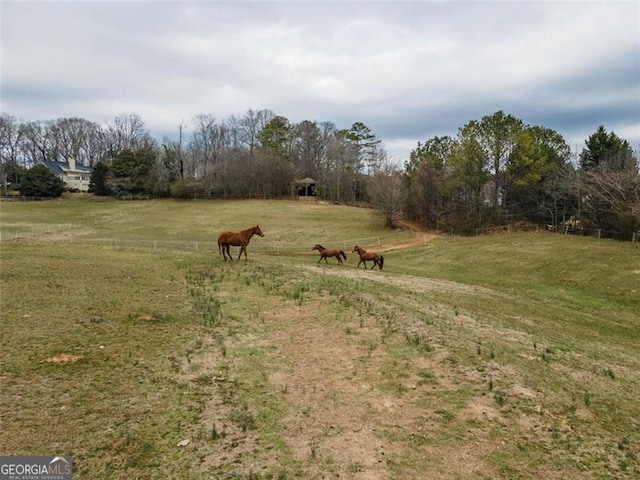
{"x":419,"y":236}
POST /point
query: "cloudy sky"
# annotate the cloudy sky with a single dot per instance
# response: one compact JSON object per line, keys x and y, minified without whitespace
{"x":408,"y":70}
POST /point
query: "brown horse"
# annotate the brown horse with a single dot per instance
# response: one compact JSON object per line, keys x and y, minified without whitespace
{"x":237,"y":239}
{"x":324,"y":253}
{"x":376,"y":258}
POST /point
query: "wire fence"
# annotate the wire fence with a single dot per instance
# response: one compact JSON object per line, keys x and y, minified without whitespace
{"x":599,"y":233}
{"x":69,"y":233}
{"x":64,"y":234}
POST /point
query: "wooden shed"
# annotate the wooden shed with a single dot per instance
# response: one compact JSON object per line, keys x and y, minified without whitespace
{"x":304,"y":187}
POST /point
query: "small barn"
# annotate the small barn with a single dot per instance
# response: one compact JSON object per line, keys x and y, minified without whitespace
{"x":304,"y":187}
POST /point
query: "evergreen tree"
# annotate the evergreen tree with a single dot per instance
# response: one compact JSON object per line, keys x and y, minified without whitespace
{"x":39,"y":181}
{"x":606,"y":149}
{"x":131,"y":172}
{"x":98,"y":183}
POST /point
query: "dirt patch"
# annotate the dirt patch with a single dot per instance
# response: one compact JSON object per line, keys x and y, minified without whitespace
{"x":342,"y":421}
{"x":331,"y":406}
{"x":63,"y":358}
{"x":420,"y":236}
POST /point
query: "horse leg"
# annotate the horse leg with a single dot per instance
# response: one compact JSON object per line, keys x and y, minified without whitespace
{"x":228,"y":250}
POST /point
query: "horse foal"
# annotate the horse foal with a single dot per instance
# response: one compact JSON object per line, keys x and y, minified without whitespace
{"x":324,"y":253}
{"x":376,"y":258}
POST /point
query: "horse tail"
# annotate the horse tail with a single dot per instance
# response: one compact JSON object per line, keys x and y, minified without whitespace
{"x":381,"y":262}
{"x":343,"y":254}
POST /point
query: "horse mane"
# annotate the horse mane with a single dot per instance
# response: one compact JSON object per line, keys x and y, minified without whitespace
{"x":320,"y":246}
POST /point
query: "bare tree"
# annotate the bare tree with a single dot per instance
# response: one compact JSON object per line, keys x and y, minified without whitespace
{"x":251,"y":125}
{"x":385,"y":190}
{"x":174,"y":152}
{"x":308,"y":148}
{"x":35,"y":144}
{"x":128,"y":132}
{"x":79,"y":139}
{"x":9,"y":148}
{"x":611,"y":197}
{"x":209,"y":142}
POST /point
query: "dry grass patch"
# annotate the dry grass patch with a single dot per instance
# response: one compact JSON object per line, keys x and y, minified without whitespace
{"x":64,"y":358}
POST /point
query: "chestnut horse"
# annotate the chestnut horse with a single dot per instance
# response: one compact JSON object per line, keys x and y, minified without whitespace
{"x":376,"y":258}
{"x":237,"y":239}
{"x":324,"y":253}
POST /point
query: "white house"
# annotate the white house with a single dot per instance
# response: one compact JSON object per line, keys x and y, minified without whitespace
{"x":75,"y":177}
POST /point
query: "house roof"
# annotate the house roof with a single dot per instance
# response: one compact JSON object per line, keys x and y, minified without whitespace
{"x":55,"y":167}
{"x":305,"y":181}
{"x":60,"y":168}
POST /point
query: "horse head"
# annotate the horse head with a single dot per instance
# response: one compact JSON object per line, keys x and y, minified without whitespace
{"x":356,"y":249}
{"x":258,"y":231}
{"x":318,"y":247}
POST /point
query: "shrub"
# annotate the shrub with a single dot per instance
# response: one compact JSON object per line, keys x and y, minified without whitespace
{"x":39,"y":181}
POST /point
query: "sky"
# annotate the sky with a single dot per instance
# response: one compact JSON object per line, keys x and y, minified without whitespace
{"x":407,"y":70}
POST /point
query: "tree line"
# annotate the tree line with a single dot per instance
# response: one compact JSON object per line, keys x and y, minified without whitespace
{"x":498,"y":170}
{"x":494,"y":171}
{"x":257,"y":155}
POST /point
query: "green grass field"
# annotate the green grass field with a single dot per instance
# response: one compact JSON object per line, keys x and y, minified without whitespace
{"x":503,"y":356}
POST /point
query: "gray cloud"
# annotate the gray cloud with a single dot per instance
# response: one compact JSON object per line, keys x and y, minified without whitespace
{"x":408,"y":70}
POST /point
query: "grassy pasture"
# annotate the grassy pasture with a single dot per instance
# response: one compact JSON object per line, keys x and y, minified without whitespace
{"x":506,"y":356}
